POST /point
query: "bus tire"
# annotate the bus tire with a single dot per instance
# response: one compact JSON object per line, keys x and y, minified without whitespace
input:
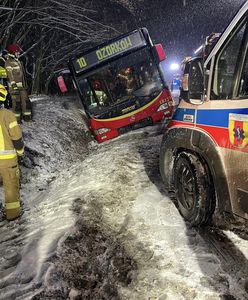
{"x":194,"y":189}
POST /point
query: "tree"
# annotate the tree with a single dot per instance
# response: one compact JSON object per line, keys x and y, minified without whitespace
{"x":51,"y":31}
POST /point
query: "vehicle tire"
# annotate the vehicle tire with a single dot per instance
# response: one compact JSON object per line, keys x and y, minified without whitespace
{"x":194,"y":189}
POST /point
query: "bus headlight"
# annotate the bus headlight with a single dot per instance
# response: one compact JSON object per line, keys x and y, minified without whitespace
{"x":101,"y":131}
{"x":162,"y":107}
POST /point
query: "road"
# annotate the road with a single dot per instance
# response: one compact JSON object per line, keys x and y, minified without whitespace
{"x":98,"y":224}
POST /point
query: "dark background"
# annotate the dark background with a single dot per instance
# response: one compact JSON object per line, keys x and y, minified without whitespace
{"x":51,"y":31}
{"x":182,"y":25}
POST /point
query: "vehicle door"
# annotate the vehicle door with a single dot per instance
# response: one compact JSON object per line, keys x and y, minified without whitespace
{"x":228,"y":103}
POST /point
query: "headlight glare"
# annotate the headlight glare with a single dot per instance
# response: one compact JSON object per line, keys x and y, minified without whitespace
{"x":101,"y":131}
{"x":162,"y":107}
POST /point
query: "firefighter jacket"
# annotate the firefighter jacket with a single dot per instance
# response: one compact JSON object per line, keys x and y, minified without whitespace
{"x":11,"y":142}
{"x":3,"y":73}
{"x":15,"y":72}
{"x":101,"y":96}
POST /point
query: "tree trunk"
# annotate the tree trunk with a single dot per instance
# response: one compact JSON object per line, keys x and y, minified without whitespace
{"x":36,"y":80}
{"x":50,"y":77}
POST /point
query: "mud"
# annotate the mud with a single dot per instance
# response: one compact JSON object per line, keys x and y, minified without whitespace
{"x":90,"y":264}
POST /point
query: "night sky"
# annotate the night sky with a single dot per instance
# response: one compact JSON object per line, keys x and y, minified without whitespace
{"x":179,"y":25}
{"x":182,"y":25}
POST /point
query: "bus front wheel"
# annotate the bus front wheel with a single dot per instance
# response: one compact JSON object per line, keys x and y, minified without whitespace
{"x":194,"y":189}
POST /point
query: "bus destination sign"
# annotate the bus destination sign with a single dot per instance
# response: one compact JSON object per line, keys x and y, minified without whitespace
{"x":134,"y":40}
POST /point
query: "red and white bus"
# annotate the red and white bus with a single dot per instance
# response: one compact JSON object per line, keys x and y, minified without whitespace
{"x":121,"y":85}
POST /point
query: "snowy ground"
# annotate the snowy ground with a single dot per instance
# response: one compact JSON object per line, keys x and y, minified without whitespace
{"x":97,"y":223}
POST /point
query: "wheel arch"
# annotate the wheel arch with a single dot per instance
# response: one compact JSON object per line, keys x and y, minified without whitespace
{"x":179,"y":139}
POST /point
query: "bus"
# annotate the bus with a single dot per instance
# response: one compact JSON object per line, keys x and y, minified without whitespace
{"x":121,"y":85}
{"x":204,"y":152}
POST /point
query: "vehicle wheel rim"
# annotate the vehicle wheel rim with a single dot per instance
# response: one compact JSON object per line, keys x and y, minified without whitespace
{"x":186,"y":188}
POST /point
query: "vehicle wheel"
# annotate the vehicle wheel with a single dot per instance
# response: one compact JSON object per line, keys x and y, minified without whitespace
{"x":194,"y":189}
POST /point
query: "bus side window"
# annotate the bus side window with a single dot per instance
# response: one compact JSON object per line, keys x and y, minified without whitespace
{"x":227,"y":63}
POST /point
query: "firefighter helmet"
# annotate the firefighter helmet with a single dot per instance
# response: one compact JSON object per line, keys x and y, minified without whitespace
{"x":14,"y":48}
{"x":97,"y":85}
{"x":3,"y":93}
{"x":129,"y":70}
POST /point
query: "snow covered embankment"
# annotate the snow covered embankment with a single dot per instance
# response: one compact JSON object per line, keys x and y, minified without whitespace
{"x":29,"y":241}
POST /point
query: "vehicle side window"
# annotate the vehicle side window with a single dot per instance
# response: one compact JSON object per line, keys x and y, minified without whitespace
{"x":243,"y":84}
{"x":226,"y":65}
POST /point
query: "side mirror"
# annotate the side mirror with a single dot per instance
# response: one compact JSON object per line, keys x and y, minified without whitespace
{"x":196,"y":82}
{"x":159,"y":52}
{"x":193,"y":82}
{"x":62,"y":84}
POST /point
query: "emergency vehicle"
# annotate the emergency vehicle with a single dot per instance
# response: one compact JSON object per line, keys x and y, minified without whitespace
{"x":204,"y":152}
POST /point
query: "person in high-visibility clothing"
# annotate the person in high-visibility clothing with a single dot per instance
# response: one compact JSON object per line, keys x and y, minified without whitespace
{"x":101,"y":96}
{"x":3,"y":73}
{"x":21,"y":103}
{"x":99,"y":93}
{"x":3,"y":77}
{"x":11,"y":146}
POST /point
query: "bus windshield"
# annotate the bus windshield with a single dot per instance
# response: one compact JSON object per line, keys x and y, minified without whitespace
{"x":121,"y":86}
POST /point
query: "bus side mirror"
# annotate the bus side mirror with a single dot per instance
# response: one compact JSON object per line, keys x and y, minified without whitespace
{"x":159,"y":52}
{"x":62,"y":84}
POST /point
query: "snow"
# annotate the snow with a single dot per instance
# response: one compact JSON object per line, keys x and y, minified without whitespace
{"x":98,"y":224}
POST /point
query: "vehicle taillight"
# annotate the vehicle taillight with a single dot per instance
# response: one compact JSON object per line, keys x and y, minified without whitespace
{"x":160,"y":51}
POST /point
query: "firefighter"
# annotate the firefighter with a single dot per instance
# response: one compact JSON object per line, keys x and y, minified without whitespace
{"x":101,"y":96}
{"x":3,"y":73}
{"x":3,"y":76}
{"x":17,"y":84}
{"x":11,"y":146}
{"x":127,"y":78}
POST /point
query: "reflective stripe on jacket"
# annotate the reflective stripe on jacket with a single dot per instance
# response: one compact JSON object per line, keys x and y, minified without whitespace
{"x":3,"y":72}
{"x":11,"y":143}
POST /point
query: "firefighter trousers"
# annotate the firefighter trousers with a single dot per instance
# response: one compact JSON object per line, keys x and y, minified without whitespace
{"x":11,"y":184}
{"x":21,"y":104}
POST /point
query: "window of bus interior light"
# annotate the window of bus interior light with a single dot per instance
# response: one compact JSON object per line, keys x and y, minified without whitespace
{"x":134,"y":77}
{"x":228,"y":62}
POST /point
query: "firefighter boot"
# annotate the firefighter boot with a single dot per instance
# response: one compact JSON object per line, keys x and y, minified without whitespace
{"x":12,"y":212}
{"x":27,"y":117}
